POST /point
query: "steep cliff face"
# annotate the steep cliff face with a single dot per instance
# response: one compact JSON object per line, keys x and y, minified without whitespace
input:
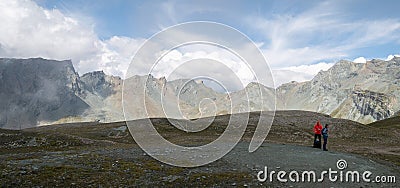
{"x":35,"y":91}
{"x":377,"y":105}
{"x":366,"y":106}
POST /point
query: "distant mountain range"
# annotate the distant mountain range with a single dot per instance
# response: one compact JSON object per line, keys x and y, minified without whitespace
{"x":37,"y":91}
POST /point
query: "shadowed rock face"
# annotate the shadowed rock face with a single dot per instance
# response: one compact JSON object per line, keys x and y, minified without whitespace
{"x":37,"y":90}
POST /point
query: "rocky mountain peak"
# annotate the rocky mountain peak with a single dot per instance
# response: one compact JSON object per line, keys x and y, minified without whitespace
{"x":162,"y":81}
{"x":253,"y":84}
{"x":344,"y":65}
{"x":94,"y":74}
{"x":100,"y":83}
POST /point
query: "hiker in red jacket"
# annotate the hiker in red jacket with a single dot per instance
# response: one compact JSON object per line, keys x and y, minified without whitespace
{"x":317,"y":135}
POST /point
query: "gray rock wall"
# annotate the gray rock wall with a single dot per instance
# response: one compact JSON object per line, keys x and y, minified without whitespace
{"x":37,"y":90}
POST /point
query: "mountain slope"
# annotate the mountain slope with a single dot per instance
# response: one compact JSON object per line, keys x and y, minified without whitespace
{"x":361,"y":92}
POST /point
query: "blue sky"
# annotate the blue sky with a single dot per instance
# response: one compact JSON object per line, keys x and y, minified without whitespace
{"x":144,"y":18}
{"x":298,"y":38}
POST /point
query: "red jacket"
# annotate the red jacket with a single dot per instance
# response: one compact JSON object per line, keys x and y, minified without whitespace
{"x":317,"y":128}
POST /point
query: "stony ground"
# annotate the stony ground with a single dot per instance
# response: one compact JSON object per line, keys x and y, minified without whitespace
{"x":105,"y":155}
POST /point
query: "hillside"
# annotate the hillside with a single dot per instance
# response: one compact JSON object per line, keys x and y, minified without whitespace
{"x":390,"y":123}
{"x":93,"y":154}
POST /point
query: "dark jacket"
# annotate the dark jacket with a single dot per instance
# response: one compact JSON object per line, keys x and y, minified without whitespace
{"x":325,"y":132}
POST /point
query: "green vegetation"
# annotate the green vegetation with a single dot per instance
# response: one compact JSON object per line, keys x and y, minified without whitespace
{"x":392,"y":123}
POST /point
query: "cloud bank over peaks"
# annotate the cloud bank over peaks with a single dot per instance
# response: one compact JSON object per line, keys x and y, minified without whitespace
{"x":299,"y":73}
{"x":293,"y":44}
{"x":360,"y":60}
{"x":390,"y":57}
{"x":28,"y":30}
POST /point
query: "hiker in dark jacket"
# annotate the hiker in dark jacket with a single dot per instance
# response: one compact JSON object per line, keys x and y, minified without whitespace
{"x":325,"y":136}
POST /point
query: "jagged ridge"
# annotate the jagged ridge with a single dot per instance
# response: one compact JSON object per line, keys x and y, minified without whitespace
{"x":38,"y":91}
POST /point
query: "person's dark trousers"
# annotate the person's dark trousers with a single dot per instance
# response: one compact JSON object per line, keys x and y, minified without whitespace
{"x":317,"y":136}
{"x":325,"y":142}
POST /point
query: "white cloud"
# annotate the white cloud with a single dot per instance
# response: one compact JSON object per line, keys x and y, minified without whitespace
{"x":286,"y":76}
{"x":310,"y":69}
{"x":113,"y":56}
{"x":390,"y":57}
{"x":28,"y":30}
{"x":319,"y":33}
{"x":360,"y":60}
{"x":299,"y":73}
{"x":33,"y":31}
{"x":322,"y":32}
{"x":296,"y":42}
{"x":292,"y":43}
{"x":205,"y":60}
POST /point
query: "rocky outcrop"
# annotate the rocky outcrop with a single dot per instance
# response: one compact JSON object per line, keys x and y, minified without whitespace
{"x":366,"y":106}
{"x":377,"y":105}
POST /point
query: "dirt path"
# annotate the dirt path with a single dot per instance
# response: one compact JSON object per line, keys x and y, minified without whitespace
{"x":128,"y":165}
{"x":279,"y":157}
